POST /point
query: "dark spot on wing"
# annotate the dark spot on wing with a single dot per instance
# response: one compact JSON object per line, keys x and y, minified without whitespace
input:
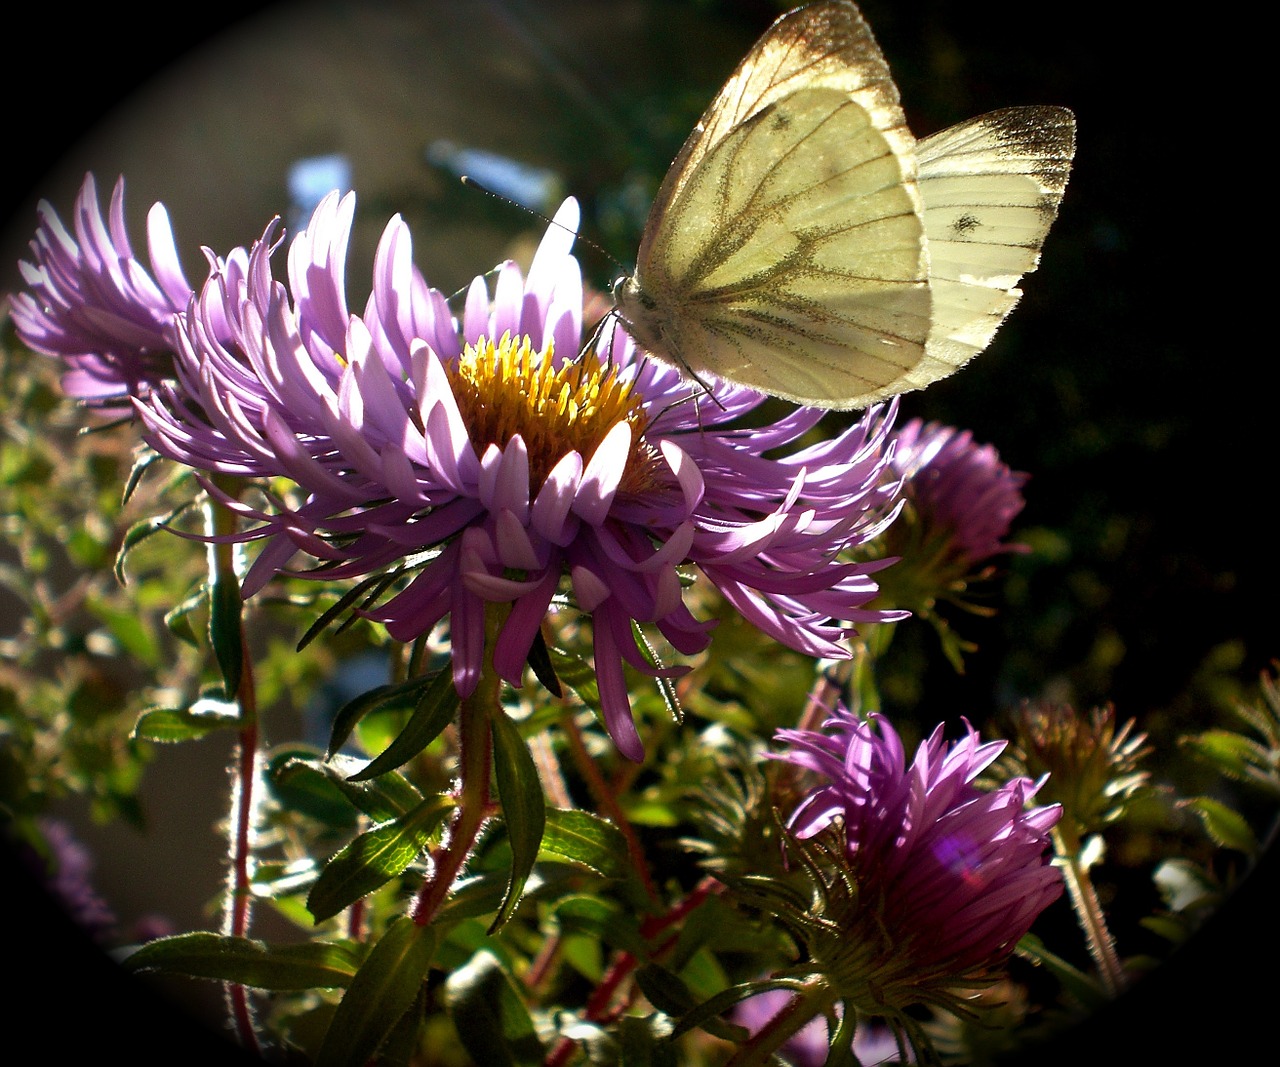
{"x":965,"y":225}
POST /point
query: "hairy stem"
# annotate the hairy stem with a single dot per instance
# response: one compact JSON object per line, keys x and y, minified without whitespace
{"x":1089,"y":911}
{"x":239,"y":901}
{"x":758,"y":1049}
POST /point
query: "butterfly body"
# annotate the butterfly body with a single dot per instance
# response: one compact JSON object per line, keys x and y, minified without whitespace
{"x":805,"y":245}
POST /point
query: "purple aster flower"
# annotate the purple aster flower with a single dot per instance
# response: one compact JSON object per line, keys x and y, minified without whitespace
{"x":500,"y":469}
{"x":946,"y":876}
{"x":961,"y":492}
{"x":93,"y":305}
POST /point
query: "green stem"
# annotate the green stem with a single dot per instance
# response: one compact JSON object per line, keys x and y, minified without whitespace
{"x":875,"y":642}
{"x":1089,"y":913}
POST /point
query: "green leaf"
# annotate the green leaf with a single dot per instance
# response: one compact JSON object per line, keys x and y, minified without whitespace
{"x":666,"y":687}
{"x":388,"y":796}
{"x":490,"y":1017}
{"x":128,"y":630}
{"x":1083,"y":987}
{"x":471,"y":897}
{"x":640,"y":1046}
{"x":540,"y":664}
{"x":603,"y":919}
{"x":374,"y":858}
{"x":668,"y":993}
{"x":400,"y":1047}
{"x":371,"y":586}
{"x":1224,"y":825}
{"x":1239,"y":757}
{"x":435,"y":709}
{"x":577,"y":674}
{"x":393,"y":696}
{"x":224,"y":630}
{"x":280,"y":883}
{"x":178,"y":619}
{"x":589,"y":841}
{"x":141,"y":464}
{"x":139,"y":532}
{"x":384,"y":988}
{"x":170,"y":725}
{"x":311,"y":965}
{"x":524,"y":811}
{"x":299,"y":782}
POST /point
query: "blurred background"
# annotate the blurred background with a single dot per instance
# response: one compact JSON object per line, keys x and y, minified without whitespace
{"x":1124,"y":383}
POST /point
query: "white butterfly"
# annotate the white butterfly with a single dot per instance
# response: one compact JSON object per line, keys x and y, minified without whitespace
{"x":803,"y":242}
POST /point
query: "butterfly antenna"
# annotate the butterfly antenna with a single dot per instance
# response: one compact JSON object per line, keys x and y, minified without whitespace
{"x":471,"y":183}
{"x":490,"y":273}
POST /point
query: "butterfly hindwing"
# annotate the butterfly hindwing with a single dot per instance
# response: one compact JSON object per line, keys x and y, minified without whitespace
{"x":991,"y":187}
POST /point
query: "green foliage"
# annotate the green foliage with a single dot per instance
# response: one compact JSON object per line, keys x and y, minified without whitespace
{"x":523,"y":807}
{"x":490,"y":1015}
{"x":311,"y":965}
{"x":433,"y":703}
{"x":383,"y":990}
{"x":1249,"y":754}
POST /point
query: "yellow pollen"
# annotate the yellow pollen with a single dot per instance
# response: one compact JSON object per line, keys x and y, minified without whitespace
{"x":508,"y":389}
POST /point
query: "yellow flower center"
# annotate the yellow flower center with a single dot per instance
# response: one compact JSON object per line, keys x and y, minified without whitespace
{"x":508,"y":389}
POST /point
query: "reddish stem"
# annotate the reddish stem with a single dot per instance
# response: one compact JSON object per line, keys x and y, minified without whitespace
{"x":607,"y":801}
{"x":239,"y":906}
{"x":475,"y":744}
{"x":239,"y":902}
{"x":598,"y":1008}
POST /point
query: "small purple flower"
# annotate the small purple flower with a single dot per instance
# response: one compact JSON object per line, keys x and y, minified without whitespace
{"x":948,"y":876}
{"x":93,"y":305}
{"x":67,"y":872}
{"x":503,"y":469}
{"x":960,"y":492}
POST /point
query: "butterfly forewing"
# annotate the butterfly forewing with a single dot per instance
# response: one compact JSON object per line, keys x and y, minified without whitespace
{"x":826,"y":45}
{"x":804,"y":245}
{"x":795,"y":259}
{"x":786,"y":248}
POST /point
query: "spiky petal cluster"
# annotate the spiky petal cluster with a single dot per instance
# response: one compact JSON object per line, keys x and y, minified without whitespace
{"x":946,"y":877}
{"x":495,"y":469}
{"x":91,"y":303}
{"x":1093,"y":769}
{"x":961,"y":493}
